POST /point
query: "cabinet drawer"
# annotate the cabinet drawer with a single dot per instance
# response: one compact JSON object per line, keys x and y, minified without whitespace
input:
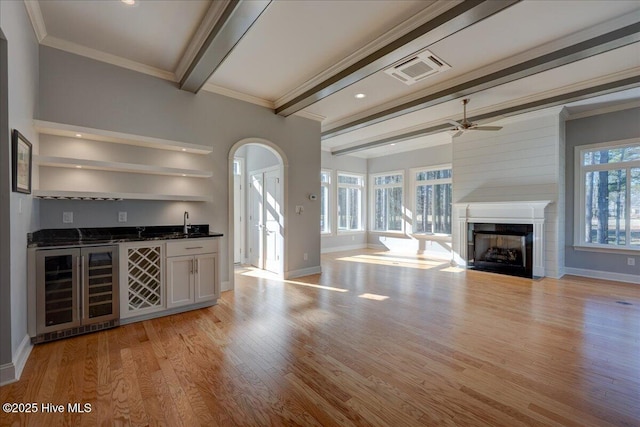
{"x":192,"y":247}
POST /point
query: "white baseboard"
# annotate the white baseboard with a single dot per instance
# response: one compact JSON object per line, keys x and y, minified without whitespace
{"x":606,"y":275}
{"x":303,"y":272}
{"x":10,"y":372}
{"x":343,"y":248}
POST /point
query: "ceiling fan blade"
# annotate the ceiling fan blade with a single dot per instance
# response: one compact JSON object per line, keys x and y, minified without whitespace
{"x":454,"y":123}
{"x":487,"y":128}
{"x":460,"y":132}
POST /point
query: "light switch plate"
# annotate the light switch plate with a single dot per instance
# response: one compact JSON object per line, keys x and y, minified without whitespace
{"x":122,"y":217}
{"x":67,"y":217}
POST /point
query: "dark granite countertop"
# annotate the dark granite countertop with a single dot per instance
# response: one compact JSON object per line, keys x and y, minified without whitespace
{"x":111,"y":235}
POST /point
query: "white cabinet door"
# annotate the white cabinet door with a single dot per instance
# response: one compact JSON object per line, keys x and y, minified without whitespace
{"x":206,"y":277}
{"x":180,"y":281}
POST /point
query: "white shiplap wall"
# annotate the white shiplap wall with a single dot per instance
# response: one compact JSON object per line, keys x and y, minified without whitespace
{"x":522,"y":162}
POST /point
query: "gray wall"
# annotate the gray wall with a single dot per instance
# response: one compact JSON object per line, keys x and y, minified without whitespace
{"x":80,"y":91}
{"x":339,"y":241}
{"x":258,"y":158}
{"x":22,"y":90}
{"x":431,"y":156}
{"x":5,"y":200}
{"x":591,"y":130}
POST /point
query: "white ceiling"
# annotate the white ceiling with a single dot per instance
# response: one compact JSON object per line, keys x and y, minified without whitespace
{"x":295,"y":43}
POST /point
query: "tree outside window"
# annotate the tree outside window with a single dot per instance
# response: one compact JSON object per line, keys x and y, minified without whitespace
{"x":387,"y":202}
{"x":432,"y":210}
{"x":350,"y":189}
{"x":610,"y":194}
{"x":325,"y":202}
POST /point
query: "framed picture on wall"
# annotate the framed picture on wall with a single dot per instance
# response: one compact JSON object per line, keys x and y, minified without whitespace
{"x":20,"y":163}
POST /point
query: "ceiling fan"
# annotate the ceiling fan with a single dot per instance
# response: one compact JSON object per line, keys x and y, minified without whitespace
{"x":465,"y":125}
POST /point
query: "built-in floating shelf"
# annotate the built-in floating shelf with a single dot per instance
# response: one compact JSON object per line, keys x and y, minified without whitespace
{"x":61,"y":129}
{"x":68,"y":162}
{"x":90,"y":195}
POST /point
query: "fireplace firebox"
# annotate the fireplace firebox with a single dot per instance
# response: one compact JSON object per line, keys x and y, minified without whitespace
{"x":501,"y":248}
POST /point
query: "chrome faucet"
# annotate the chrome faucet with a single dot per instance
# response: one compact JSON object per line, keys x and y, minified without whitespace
{"x":187,"y":226}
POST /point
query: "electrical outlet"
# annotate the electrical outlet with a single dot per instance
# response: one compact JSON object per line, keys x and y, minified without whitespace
{"x":122,"y":217}
{"x":631,"y":261}
{"x":67,"y":217}
{"x":353,"y":238}
{"x":299,"y":209}
{"x":306,"y":256}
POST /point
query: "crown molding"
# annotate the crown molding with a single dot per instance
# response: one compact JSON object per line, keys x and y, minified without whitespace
{"x":204,"y":29}
{"x":35,"y":16}
{"x":434,"y":9}
{"x":210,"y":87}
{"x":119,"y":61}
{"x":604,"y":110}
{"x":308,"y":115}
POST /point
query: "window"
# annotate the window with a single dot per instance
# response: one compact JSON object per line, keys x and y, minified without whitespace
{"x":608,"y":205}
{"x":325,"y":202}
{"x":350,"y":189}
{"x":432,"y":208}
{"x":387,"y":202}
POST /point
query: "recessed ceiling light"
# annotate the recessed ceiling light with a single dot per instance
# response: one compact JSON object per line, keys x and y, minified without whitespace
{"x":360,"y":95}
{"x":79,"y":167}
{"x":393,"y":144}
{"x":184,"y":174}
{"x":129,"y":2}
{"x":78,"y":135}
{"x":184,"y":149}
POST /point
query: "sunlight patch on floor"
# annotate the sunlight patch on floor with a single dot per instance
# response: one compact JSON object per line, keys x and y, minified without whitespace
{"x":373,"y":297}
{"x":310,"y":285}
{"x":422,"y":264}
{"x":263,"y":274}
{"x":453,"y":270}
{"x":256,"y":272}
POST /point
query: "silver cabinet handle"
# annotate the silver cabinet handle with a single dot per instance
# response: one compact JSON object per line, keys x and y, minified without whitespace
{"x":195,"y":247}
{"x":196,"y":262}
{"x":191,"y":270}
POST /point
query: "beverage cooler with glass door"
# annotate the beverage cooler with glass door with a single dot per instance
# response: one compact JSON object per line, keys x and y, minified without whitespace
{"x":76,"y":291}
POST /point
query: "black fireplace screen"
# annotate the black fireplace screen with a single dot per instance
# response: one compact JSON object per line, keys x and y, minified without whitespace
{"x":501,"y":248}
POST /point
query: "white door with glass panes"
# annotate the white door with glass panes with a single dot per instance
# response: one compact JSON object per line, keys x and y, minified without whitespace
{"x":238,"y":210}
{"x":266,"y":221}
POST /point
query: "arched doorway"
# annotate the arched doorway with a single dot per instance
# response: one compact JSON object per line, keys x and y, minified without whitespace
{"x":257,"y":206}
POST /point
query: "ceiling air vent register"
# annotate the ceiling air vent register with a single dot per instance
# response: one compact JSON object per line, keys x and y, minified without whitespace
{"x":417,"y":67}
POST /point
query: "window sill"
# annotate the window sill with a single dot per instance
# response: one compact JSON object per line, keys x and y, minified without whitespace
{"x":438,"y":237}
{"x":607,"y":249}
{"x":388,"y":233}
{"x":349,"y":232}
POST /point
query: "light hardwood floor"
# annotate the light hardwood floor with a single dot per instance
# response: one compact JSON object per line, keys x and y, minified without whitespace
{"x":377,"y":339}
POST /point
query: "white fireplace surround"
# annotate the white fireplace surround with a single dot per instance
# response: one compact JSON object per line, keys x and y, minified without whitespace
{"x":529,"y":212}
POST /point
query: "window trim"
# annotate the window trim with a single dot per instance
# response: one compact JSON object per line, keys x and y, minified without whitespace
{"x":363,"y":189}
{"x":413,"y":199}
{"x":372,"y":202}
{"x":580,"y":171}
{"x":330,"y":215}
